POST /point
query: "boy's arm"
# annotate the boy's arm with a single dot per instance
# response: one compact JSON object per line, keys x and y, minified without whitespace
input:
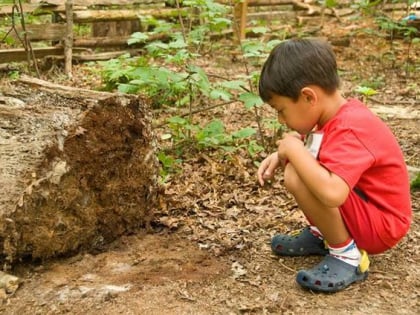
{"x":268,"y":167}
{"x":327,"y":187}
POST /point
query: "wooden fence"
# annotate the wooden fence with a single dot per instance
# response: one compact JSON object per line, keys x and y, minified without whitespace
{"x":111,"y":22}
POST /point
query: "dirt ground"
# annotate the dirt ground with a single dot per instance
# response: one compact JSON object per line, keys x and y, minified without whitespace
{"x":209,"y":250}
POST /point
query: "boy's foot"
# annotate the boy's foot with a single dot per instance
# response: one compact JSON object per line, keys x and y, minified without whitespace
{"x":333,"y":274}
{"x":301,"y":243}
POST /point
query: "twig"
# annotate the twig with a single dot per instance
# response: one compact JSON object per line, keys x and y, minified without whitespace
{"x":287,"y":267}
{"x":181,"y":22}
{"x":25,"y":42}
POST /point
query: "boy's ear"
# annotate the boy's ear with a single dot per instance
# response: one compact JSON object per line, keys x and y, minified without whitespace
{"x":309,"y":95}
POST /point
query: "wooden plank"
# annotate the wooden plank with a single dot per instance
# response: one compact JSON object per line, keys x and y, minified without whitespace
{"x":36,"y":32}
{"x":19,"y":54}
{"x":89,"y":16}
{"x":37,"y":9}
{"x":7,"y":9}
{"x":262,"y":3}
{"x":99,"y":2}
{"x":112,"y":41}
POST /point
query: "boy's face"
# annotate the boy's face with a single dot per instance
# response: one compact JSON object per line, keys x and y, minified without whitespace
{"x":299,"y":116}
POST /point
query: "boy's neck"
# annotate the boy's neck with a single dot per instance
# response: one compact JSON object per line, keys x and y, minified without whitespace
{"x":330,"y":105}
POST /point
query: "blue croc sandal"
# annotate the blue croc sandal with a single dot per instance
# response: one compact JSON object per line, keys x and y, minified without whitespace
{"x":300,"y":243}
{"x":333,"y":274}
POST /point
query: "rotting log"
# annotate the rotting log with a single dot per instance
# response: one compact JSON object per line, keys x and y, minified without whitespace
{"x":78,"y":169}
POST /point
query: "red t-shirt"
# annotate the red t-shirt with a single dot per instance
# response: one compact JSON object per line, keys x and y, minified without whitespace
{"x":361,"y":149}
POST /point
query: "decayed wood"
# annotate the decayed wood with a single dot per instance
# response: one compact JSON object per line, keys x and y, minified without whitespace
{"x":77,"y":172}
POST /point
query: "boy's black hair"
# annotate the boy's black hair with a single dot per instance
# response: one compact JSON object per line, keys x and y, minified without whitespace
{"x":296,"y":63}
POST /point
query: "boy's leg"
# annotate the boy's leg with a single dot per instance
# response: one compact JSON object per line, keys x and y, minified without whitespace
{"x":328,"y":220}
{"x":345,"y":264}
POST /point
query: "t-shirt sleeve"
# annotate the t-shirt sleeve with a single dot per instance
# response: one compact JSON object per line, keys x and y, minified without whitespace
{"x":343,"y":154}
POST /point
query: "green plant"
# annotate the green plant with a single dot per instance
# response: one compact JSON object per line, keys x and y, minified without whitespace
{"x":415,"y":183}
{"x":365,"y":91}
{"x":211,"y":135}
{"x":14,"y":75}
{"x":170,"y":76}
{"x":169,"y":165}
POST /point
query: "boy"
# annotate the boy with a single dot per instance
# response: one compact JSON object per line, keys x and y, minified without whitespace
{"x":350,"y":180}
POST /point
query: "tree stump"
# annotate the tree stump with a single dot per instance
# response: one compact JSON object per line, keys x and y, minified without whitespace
{"x":76,"y":173}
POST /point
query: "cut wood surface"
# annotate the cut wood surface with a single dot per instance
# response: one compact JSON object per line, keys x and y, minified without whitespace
{"x":78,"y":169}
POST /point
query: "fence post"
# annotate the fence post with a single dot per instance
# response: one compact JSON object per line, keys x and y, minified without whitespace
{"x":241,"y":10}
{"x":68,"y":41}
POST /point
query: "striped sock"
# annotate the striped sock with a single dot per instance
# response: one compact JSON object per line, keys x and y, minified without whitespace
{"x":347,"y":252}
{"x":315,"y":232}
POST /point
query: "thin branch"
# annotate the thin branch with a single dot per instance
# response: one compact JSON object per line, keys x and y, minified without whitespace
{"x":25,"y":42}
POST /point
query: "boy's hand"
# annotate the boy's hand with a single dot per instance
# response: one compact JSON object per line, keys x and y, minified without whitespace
{"x":268,"y":167}
{"x":290,"y":142}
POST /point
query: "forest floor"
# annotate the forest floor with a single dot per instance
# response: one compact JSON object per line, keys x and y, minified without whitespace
{"x":209,"y":251}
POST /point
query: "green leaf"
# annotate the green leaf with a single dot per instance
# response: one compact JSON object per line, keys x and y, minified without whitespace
{"x":222,"y":94}
{"x":137,"y":37}
{"x":330,"y":3}
{"x":260,"y":30}
{"x":367,"y":91}
{"x":176,"y":120}
{"x":128,"y":88}
{"x":179,"y":43}
{"x":415,"y":184}
{"x":244,"y":133}
{"x":250,"y":100}
{"x":234,"y":84}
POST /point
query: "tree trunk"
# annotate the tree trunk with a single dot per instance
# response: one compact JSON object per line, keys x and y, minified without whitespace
{"x":77,"y":173}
